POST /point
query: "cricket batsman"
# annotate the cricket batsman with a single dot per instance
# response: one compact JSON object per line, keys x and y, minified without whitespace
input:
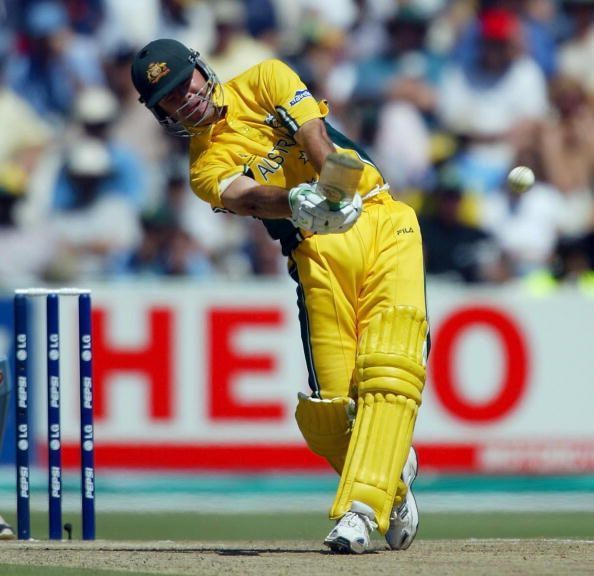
{"x":258,"y":145}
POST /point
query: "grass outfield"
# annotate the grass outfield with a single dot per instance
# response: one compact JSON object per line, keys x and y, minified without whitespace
{"x":12,"y":570}
{"x":292,"y":526}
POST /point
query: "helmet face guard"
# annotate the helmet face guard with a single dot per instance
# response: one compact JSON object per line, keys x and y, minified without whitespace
{"x":199,"y":112}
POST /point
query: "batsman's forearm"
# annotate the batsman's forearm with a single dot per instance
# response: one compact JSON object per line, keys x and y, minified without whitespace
{"x":263,"y":202}
{"x":316,"y":143}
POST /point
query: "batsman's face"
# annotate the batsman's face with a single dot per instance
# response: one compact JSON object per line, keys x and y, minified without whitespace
{"x":191,"y":101}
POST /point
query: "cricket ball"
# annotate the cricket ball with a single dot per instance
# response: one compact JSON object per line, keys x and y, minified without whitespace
{"x":520,"y":179}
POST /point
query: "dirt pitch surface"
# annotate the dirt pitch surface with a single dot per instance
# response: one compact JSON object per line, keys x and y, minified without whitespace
{"x":426,"y":557}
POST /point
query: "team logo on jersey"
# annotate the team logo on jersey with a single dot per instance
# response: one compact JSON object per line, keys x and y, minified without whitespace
{"x":273,"y":161}
{"x":299,"y":95}
{"x":156,"y":70}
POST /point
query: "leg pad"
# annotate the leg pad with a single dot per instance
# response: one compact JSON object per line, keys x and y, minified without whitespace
{"x":326,"y":426}
{"x":379,"y":446}
{"x":390,"y":376}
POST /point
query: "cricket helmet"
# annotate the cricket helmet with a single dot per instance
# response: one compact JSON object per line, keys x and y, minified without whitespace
{"x":160,"y":67}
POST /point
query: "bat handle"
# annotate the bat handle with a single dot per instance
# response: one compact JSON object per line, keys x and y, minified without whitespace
{"x":339,"y":179}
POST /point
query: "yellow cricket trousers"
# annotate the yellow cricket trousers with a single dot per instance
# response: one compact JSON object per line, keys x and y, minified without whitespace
{"x":345,"y":279}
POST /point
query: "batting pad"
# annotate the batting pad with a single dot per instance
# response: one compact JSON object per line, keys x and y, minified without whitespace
{"x":390,"y":376}
{"x":326,"y":426}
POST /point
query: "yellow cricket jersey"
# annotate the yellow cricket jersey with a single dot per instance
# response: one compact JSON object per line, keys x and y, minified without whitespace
{"x":265,"y":106}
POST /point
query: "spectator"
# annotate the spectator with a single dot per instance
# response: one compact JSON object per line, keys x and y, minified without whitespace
{"x":24,"y":133}
{"x":526,"y":225}
{"x":265,"y":256}
{"x":339,"y":14}
{"x":402,"y":139}
{"x":86,"y":16}
{"x":402,"y":145}
{"x":132,"y":21}
{"x":574,"y":258}
{"x":453,"y":33}
{"x":567,"y":136}
{"x":187,"y":21}
{"x":493,"y":104}
{"x":368,"y":33}
{"x":261,"y":21}
{"x":454,"y":250}
{"x":541,"y":21}
{"x":58,"y":62}
{"x":403,"y":57}
{"x":167,"y":247}
{"x":95,"y":114}
{"x":65,"y":78}
{"x":234,"y":49}
{"x":26,"y":252}
{"x":288,"y":33}
{"x":52,"y":189}
{"x":538,"y":22}
{"x":566,"y":143}
{"x":137,"y":21}
{"x":97,"y":225}
{"x":577,"y":52}
{"x":399,"y":78}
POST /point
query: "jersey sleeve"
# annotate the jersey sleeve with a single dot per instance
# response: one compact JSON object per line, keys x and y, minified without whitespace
{"x":208,"y":171}
{"x":286,"y":93}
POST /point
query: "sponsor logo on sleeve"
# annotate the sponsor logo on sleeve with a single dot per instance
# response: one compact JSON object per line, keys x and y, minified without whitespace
{"x":300,"y":95}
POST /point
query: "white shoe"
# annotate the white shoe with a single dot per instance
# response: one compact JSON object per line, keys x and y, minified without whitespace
{"x":351,"y":533}
{"x":6,"y":531}
{"x":404,"y":519}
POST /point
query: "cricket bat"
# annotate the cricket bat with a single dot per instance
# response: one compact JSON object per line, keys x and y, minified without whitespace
{"x":339,"y":178}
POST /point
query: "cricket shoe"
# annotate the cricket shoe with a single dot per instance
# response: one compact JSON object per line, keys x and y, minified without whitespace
{"x":351,"y":533}
{"x":6,"y":531}
{"x":404,"y":519}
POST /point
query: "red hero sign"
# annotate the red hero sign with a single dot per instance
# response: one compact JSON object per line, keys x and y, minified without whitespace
{"x":152,"y":359}
{"x":514,"y":371}
{"x":226,"y":364}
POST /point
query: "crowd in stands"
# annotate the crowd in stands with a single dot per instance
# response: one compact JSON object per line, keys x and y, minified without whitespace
{"x":446,"y":95}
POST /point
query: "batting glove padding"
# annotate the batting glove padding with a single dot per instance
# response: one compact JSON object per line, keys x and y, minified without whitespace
{"x":312,"y":212}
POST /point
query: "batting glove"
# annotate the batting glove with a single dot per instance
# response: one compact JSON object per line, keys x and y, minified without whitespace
{"x":311,"y":211}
